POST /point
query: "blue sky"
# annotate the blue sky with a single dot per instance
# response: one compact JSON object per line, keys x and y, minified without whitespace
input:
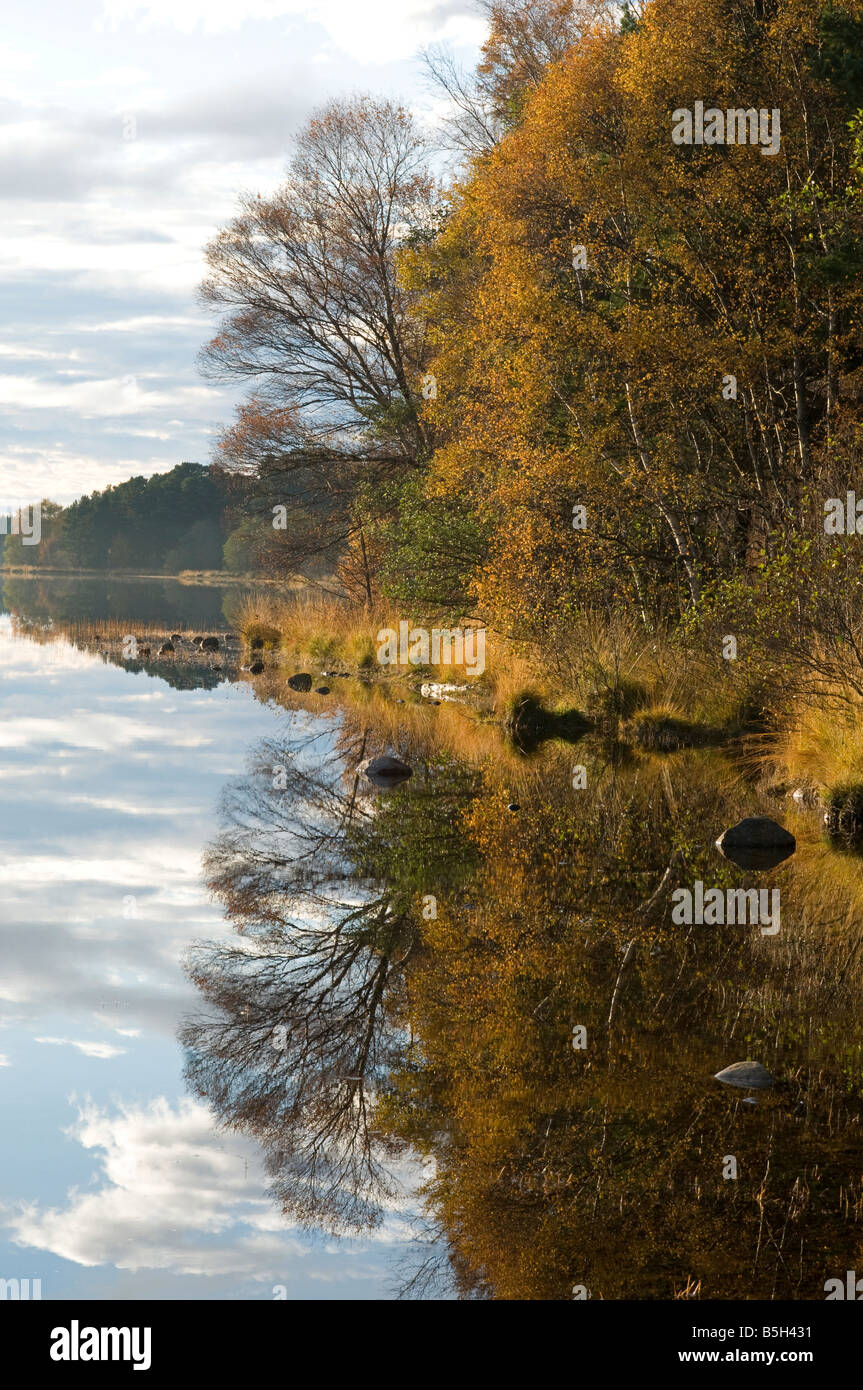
{"x":128,"y":128}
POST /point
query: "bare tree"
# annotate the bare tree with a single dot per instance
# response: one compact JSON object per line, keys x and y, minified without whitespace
{"x":315,"y":317}
{"x":525,"y":38}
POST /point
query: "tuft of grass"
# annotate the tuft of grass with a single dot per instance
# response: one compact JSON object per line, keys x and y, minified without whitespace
{"x":819,"y":738}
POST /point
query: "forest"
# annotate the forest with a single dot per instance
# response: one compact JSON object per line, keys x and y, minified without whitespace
{"x":591,"y":366}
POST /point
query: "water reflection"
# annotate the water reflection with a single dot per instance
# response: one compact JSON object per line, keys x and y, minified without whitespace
{"x":57,"y":598}
{"x":506,"y":994}
{"x":117,"y":1184}
{"x":320,"y":878}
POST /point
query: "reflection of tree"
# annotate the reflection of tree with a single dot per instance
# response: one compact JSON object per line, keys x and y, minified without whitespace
{"x":604,"y":1168}
{"x":311,"y":1007}
{"x":451,"y":1034}
{"x":76,"y":599}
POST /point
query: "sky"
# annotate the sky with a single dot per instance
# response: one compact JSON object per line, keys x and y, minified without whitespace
{"x":128,"y":131}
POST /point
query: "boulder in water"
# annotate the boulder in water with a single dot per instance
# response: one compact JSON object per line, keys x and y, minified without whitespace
{"x":756,"y":842}
{"x":256,"y":668}
{"x":749,"y":1075}
{"x":385,"y":771}
{"x":210,"y":644}
{"x":301,"y":681}
{"x":166,"y":649}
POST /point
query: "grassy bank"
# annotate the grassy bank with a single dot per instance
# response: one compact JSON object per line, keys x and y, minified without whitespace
{"x":664,"y":690}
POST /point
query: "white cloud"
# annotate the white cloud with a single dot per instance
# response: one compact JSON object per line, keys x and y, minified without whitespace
{"x":102,"y":1050}
{"x":112,"y":396}
{"x":394,"y":29}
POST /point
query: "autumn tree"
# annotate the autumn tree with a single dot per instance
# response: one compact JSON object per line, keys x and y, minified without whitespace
{"x":524,"y":40}
{"x":314,"y":317}
{"x":663,"y":334}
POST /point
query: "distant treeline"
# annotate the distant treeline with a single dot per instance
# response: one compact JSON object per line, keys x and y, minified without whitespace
{"x":192,"y":518}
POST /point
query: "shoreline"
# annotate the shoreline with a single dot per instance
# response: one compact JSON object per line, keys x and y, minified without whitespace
{"x":208,"y":578}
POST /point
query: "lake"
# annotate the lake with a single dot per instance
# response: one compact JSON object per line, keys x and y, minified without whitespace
{"x":117,"y":1182}
{"x":268,"y":1031}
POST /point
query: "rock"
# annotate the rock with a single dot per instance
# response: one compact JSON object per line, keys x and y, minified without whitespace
{"x":175,"y":637}
{"x":322,"y":690}
{"x":436,"y":691}
{"x":196,"y":641}
{"x":210,"y":644}
{"x":385,"y":771}
{"x":257,"y":668}
{"x":257,"y":644}
{"x":513,"y":806}
{"x":757,"y":842}
{"x":166,"y":649}
{"x":805,"y":796}
{"x":749,"y":1075}
{"x":301,"y":681}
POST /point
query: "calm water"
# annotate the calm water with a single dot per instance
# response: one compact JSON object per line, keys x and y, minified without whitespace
{"x":117,"y":1181}
{"x":244,"y":994}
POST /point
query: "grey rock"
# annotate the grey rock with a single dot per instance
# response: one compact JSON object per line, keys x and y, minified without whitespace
{"x":385,"y":771}
{"x":749,"y":1075}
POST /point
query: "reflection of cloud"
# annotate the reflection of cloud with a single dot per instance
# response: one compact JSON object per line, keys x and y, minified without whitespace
{"x":90,"y":1049}
{"x":173,"y":1197}
{"x":168,"y":1181}
{"x":4,"y":1060}
{"x":113,"y":798}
